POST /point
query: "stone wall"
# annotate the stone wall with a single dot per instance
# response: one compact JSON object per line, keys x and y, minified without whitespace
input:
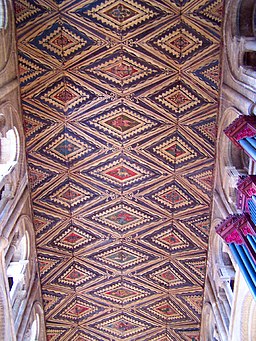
{"x":21,"y":313}
{"x":226,"y":295}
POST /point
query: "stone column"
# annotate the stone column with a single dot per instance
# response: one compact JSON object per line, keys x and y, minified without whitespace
{"x":6,"y":322}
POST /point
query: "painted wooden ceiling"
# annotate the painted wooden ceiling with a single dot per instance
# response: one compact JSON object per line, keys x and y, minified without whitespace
{"x":119,"y":104}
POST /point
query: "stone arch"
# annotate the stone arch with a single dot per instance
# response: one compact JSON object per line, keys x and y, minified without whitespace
{"x":6,"y":31}
{"x":5,"y":323}
{"x":3,"y":14}
{"x":246,"y":18}
{"x":21,"y":268}
{"x":220,"y":256}
{"x":208,"y":326}
{"x":35,"y":327}
{"x":9,"y":143}
{"x":11,"y":152}
{"x":232,"y":161}
{"x":239,"y":40}
{"x":248,"y":313}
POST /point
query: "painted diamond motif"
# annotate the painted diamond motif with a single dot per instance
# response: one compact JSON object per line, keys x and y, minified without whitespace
{"x":68,"y":196}
{"x":65,"y":96}
{"x":121,"y":70}
{"x":62,"y":41}
{"x":206,"y":130}
{"x":78,"y":310}
{"x":199,"y":225}
{"x":35,"y":125}
{"x":178,"y":98}
{"x":44,"y":222}
{"x":122,"y":218}
{"x":26,"y":11}
{"x":196,"y":265}
{"x":122,"y":172}
{"x":30,"y":70}
{"x":123,"y":292}
{"x":47,"y":263}
{"x":193,"y":300}
{"x":209,"y":74}
{"x":167,"y":311}
{"x":180,"y":42}
{"x":39,"y":175}
{"x":121,"y":15}
{"x":212,"y":12}
{"x":170,"y":239}
{"x":122,"y":257}
{"x":51,"y":299}
{"x":175,"y":151}
{"x":73,"y":238}
{"x":75,"y":275}
{"x":67,"y":148}
{"x":203,"y":179}
{"x":123,"y":325}
{"x":120,"y":12}
{"x":173,"y":196}
{"x":168,"y":276}
{"x":122,"y":123}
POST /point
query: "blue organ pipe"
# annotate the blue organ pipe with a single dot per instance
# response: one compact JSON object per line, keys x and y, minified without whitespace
{"x":248,"y":148}
{"x":252,"y":141}
{"x":247,"y":263}
{"x":243,"y":269}
{"x":249,"y":256}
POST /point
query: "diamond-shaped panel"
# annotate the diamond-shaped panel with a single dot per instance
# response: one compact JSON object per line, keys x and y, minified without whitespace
{"x":122,"y":122}
{"x":120,"y":16}
{"x":122,"y":257}
{"x":178,"y":98}
{"x":123,"y":292}
{"x":209,"y":74}
{"x":173,"y":196}
{"x":73,"y":238}
{"x":121,"y":70}
{"x":68,"y":196}
{"x":122,"y":217}
{"x":64,"y":96}
{"x":168,"y":311}
{"x":26,"y":11}
{"x":67,"y":148}
{"x":206,"y":130}
{"x":170,"y":239}
{"x":62,"y":41}
{"x":122,"y":172}
{"x":77,"y":310}
{"x":175,"y":151}
{"x":76,"y":274}
{"x":30,"y":70}
{"x":123,"y":325}
{"x":180,"y":42}
{"x":168,"y":276}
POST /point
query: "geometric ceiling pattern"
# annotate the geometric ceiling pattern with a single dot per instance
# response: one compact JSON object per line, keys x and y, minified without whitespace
{"x":119,"y":101}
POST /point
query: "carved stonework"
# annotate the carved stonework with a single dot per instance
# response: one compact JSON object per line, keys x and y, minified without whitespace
{"x":242,"y":127}
{"x":245,"y":190}
{"x":235,"y":228}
